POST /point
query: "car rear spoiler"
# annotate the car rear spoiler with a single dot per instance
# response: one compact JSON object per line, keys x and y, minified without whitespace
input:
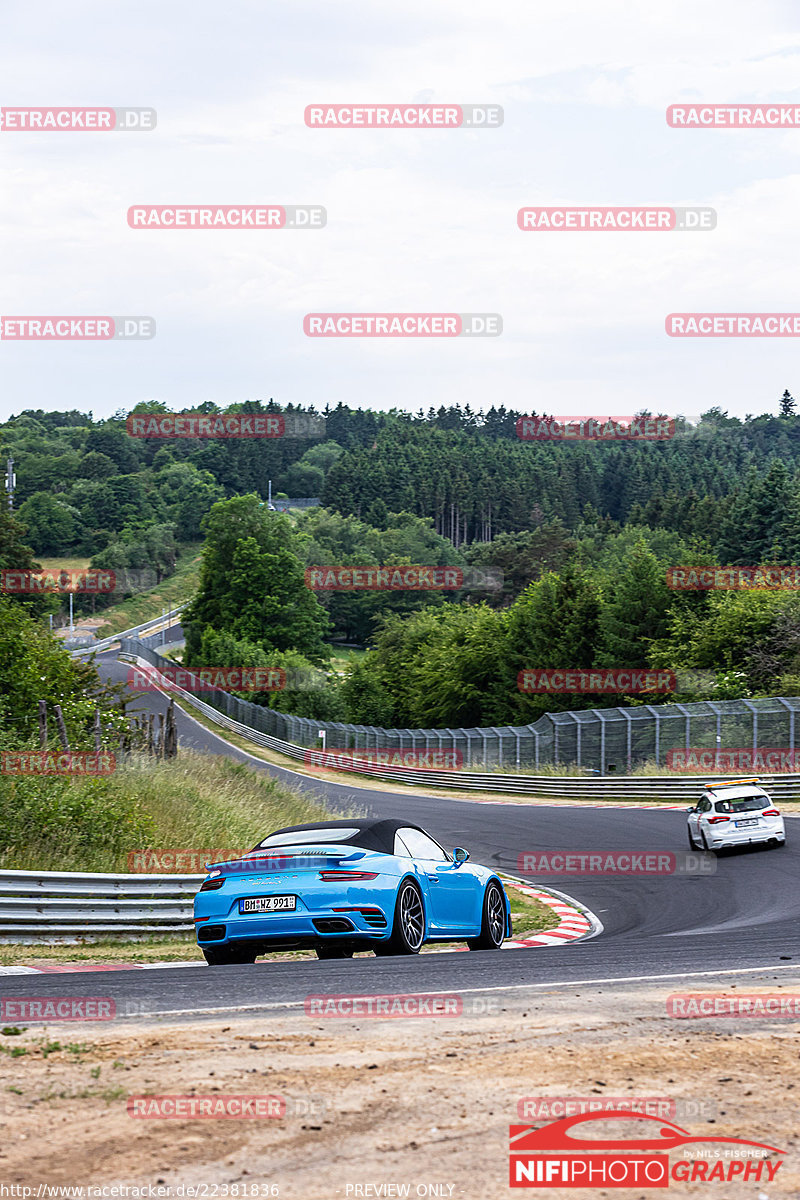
{"x":286,"y":859}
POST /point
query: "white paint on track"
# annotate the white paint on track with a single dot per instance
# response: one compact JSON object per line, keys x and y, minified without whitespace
{"x":512,"y":987}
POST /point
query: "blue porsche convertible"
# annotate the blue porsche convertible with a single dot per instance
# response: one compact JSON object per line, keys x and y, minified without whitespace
{"x":341,"y":886}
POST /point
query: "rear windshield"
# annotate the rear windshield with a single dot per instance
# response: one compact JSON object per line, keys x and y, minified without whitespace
{"x":307,"y":837}
{"x":744,"y":804}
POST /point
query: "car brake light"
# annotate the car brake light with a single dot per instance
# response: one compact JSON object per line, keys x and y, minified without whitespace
{"x":346,"y":876}
{"x":716,"y":820}
{"x":771,"y":812}
{"x":211,"y":885}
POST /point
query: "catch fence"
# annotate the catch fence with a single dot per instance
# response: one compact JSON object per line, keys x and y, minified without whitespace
{"x":604,"y":741}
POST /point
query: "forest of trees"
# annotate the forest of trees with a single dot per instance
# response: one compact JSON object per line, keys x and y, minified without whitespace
{"x":583,"y":534}
{"x":84,"y":484}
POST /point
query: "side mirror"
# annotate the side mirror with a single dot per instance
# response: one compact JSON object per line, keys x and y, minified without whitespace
{"x":692,"y":809}
{"x":460,"y":856}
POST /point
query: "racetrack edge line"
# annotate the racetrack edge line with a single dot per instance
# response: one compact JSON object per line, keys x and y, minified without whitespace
{"x":515,"y":987}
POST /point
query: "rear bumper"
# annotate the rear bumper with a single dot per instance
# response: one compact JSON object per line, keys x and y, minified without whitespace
{"x":746,"y":837}
{"x":284,"y":929}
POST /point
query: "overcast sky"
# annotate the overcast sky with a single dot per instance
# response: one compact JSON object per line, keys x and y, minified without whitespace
{"x":421,"y":221}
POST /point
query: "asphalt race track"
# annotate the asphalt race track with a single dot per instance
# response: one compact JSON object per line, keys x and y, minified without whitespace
{"x":744,"y":918}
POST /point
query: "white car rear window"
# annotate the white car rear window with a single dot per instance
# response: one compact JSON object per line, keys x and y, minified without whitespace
{"x":744,"y":804}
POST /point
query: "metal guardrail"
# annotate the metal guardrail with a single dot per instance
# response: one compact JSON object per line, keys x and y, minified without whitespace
{"x":107,"y":643}
{"x":580,"y":788}
{"x":45,"y":905}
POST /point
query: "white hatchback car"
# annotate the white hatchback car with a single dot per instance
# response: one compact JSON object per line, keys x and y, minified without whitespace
{"x":736,"y":813}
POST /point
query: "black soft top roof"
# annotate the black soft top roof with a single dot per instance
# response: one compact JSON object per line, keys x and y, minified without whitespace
{"x":373,"y":833}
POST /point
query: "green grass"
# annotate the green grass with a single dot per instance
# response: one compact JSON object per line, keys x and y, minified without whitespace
{"x":168,"y":594}
{"x":104,"y":950}
{"x":346,"y":654}
{"x":528,"y":915}
{"x":195,"y":802}
{"x":64,"y":564}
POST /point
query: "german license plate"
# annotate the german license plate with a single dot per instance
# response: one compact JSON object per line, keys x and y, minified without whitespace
{"x":262,"y":904}
{"x":740,"y":824}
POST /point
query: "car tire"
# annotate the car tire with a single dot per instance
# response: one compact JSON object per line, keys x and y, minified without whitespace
{"x":493,"y":920}
{"x":226,"y":956}
{"x":706,"y":846}
{"x":330,"y":951}
{"x":692,"y":843}
{"x":408,"y":927}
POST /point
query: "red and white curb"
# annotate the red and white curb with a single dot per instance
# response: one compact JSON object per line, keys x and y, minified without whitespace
{"x":70,"y":968}
{"x":574,"y":920}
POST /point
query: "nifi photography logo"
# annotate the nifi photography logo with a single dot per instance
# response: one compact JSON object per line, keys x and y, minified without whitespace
{"x":580,"y":1152}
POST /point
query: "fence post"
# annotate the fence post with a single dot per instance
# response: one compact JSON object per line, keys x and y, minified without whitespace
{"x":62,"y":728}
{"x":98,"y":731}
{"x":171,"y":733}
{"x":42,"y":724}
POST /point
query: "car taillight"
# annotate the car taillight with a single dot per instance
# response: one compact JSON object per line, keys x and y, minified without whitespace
{"x":346,"y":876}
{"x":211,"y":885}
{"x":771,"y":812}
{"x":716,"y":820}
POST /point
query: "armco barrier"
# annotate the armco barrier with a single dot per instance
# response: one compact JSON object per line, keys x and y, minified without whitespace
{"x":676,"y":789}
{"x":44,"y":905}
{"x":95,"y":647}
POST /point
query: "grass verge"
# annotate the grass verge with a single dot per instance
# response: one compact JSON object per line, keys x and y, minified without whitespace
{"x":193,"y":802}
{"x":528,"y":915}
{"x":171,"y":592}
{"x":64,"y":564}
